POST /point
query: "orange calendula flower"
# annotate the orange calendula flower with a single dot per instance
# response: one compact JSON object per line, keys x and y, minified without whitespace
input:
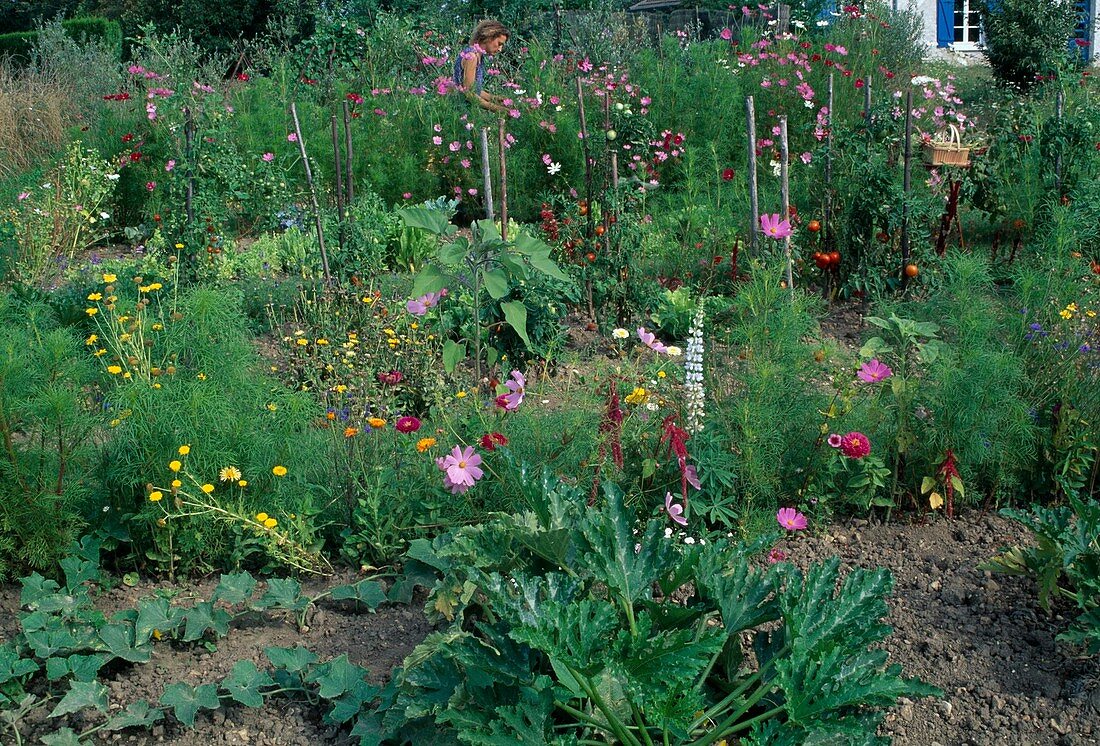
{"x":376,"y":422}
{"x":424,"y":444}
{"x":351,"y":432}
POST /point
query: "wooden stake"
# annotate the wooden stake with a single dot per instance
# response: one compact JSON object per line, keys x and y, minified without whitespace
{"x":906,"y":185}
{"x":754,"y":199}
{"x":486,"y":174}
{"x":189,"y":139}
{"x":312,"y":193}
{"x":338,"y":170}
{"x":590,"y":230}
{"x":1059,"y":105}
{"x":828,"y":213}
{"x":785,"y":186}
{"x":503,"y":185}
{"x":349,"y":156}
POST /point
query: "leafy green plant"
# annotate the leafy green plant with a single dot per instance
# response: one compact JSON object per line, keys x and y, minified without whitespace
{"x":1026,"y":38}
{"x":1065,"y":562}
{"x":564,"y":618}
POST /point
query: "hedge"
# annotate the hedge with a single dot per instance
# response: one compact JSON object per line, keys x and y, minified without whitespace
{"x":20,"y":46}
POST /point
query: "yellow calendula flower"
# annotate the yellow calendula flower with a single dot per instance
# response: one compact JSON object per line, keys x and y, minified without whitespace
{"x":110,"y":278}
{"x":95,"y":296}
{"x":127,"y":374}
{"x":207,"y":488}
{"x":279,"y":471}
{"x":242,"y":482}
{"x":114,"y":370}
{"x":351,"y":432}
{"x":91,"y":340}
{"x":174,"y":465}
{"x":341,"y":388}
{"x":1091,"y":314}
{"x":424,"y":444}
{"x":124,"y":337}
{"x":637,"y":396}
{"x":1065,"y":313}
{"x":176,"y":484}
{"x":261,"y":517}
{"x":229,"y":474}
{"x":155,"y":496}
{"x":179,"y":246}
{"x":661,"y":374}
{"x":185,"y":449}
{"x":301,"y":341}
{"x":91,"y":311}
{"x":460,"y":395}
{"x":155,"y":286}
{"x":270,"y":523}
{"x":322,"y":341}
{"x":376,"y":422}
{"x":389,"y":332}
{"x":100,"y":353}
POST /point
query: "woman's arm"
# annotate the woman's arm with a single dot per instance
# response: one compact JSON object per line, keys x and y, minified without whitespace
{"x":469,"y":78}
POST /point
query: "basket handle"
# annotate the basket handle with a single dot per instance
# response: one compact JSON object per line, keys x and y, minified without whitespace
{"x":956,"y":136}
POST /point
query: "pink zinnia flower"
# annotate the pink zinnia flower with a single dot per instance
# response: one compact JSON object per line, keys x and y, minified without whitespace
{"x":292,"y":137}
{"x":873,"y":371}
{"x":791,"y":519}
{"x":675,"y":512}
{"x":490,"y":441}
{"x":726,"y":34}
{"x":855,"y":445}
{"x":650,"y":340}
{"x":460,"y":469}
{"x":150,"y":185}
{"x":516,"y":388}
{"x":774,"y":226}
{"x":407,"y":424}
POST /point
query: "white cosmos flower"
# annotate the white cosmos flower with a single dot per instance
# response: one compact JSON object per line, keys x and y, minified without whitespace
{"x":553,"y":168}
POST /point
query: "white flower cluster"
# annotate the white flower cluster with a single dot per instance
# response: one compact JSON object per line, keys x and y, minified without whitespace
{"x":693,"y":374}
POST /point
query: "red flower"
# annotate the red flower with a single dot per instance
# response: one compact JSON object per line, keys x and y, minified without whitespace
{"x":392,"y":378}
{"x":135,"y":156}
{"x":407,"y":424}
{"x":727,"y":175}
{"x":490,"y":441}
{"x":127,"y":137}
{"x":855,"y":445}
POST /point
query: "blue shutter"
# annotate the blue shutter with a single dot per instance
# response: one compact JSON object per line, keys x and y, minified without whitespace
{"x":945,"y":22}
{"x":827,"y":9}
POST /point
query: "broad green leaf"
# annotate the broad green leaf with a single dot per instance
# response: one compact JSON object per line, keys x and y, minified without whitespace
{"x":283,"y":593}
{"x":433,"y":221}
{"x":12,"y":666}
{"x":235,"y":588}
{"x":35,"y":588}
{"x":205,"y":616}
{"x":337,"y":676}
{"x":453,"y":354}
{"x":515,"y":313}
{"x":245,"y":682}
{"x":455,"y":252}
{"x":415,"y":573}
{"x":526,"y":722}
{"x":496,"y":283}
{"x":186,"y":700}
{"x":874,"y":347}
{"x":119,"y":640}
{"x":294,"y":660}
{"x":430,"y":280}
{"x":743,"y":592}
{"x":369,"y":592}
{"x":82,"y":667}
{"x":82,"y":694}
{"x":927,"y":485}
{"x":155,"y":614}
{"x":491,"y":355}
{"x":350,"y":703}
{"x":62,"y":737}
{"x":138,"y":715}
{"x":958,"y":485}
{"x":78,"y":571}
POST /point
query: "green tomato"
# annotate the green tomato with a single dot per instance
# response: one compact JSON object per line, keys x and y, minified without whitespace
{"x":612,"y":134}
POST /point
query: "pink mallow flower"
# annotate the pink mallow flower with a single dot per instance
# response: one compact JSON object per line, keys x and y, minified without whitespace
{"x":675,"y":512}
{"x":855,"y":445}
{"x":835,"y":440}
{"x":460,"y":469}
{"x":650,"y":340}
{"x":791,"y":519}
{"x":774,"y":226}
{"x":873,"y":371}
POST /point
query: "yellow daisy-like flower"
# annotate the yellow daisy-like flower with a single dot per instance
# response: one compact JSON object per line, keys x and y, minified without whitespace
{"x":174,"y":465}
{"x":661,"y":374}
{"x":460,"y":395}
{"x":424,"y":444}
{"x":1091,"y":314}
{"x":124,"y":337}
{"x":91,"y":340}
{"x":322,"y":341}
{"x":185,"y":449}
{"x":155,"y":286}
{"x":114,"y":370}
{"x":158,"y":327}
{"x":1065,"y":313}
{"x":301,"y":341}
{"x":261,"y":517}
{"x":95,"y":296}
{"x":110,"y":278}
{"x":91,"y":311}
{"x":229,"y":474}
{"x":176,"y":484}
{"x":201,"y":376}
{"x":179,"y":246}
{"x":207,"y":488}
{"x":270,"y":523}
{"x":100,"y":353}
{"x":637,"y":396}
{"x":127,"y":374}
{"x":341,"y":388}
{"x":156,"y":496}
{"x":376,"y":422}
{"x":279,"y":471}
{"x":242,"y":482}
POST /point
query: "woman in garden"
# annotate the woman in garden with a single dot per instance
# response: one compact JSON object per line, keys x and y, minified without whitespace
{"x":487,"y":40}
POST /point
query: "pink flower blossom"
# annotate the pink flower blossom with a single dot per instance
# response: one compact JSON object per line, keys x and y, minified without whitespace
{"x":420,"y":306}
{"x":650,"y":340}
{"x":675,"y":512}
{"x":791,"y":519}
{"x":516,"y":388}
{"x":24,"y":195}
{"x":835,"y":440}
{"x":169,"y":165}
{"x":292,"y":137}
{"x":855,"y":445}
{"x":775,"y":226}
{"x":407,"y":424}
{"x":150,"y":185}
{"x":726,"y":34}
{"x":776,"y":555}
{"x":873,"y":371}
{"x":268,"y":157}
{"x":460,"y":469}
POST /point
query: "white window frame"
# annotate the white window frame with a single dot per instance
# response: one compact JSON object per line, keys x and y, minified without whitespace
{"x":966,"y":46}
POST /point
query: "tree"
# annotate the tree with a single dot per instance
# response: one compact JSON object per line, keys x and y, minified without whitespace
{"x":1027,"y":38}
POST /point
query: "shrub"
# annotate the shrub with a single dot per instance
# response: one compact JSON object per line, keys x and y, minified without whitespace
{"x":85,"y":30}
{"x":1027,"y":38}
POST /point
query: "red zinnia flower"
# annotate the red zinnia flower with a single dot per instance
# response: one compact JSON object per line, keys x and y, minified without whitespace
{"x":407,"y":424}
{"x":392,"y":378}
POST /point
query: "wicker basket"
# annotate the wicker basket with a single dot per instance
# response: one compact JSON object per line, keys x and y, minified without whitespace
{"x":949,"y":152}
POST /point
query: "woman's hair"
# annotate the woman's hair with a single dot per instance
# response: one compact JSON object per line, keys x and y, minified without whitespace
{"x":487,"y":31}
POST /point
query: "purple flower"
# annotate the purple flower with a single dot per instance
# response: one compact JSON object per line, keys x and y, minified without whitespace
{"x":407,"y":424}
{"x":675,"y":512}
{"x":420,"y":306}
{"x":460,"y":469}
{"x":691,"y":474}
{"x":774,"y":226}
{"x":873,"y":371}
{"x":516,"y":389}
{"x":650,"y":340}
{"x":791,"y":519}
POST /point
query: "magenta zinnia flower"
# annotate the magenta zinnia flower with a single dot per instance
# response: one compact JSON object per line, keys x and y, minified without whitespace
{"x":516,"y":389}
{"x":774,"y":226}
{"x":460,"y":469}
{"x":791,"y":519}
{"x":855,"y":445}
{"x":407,"y":424}
{"x":873,"y":371}
{"x":675,"y":512}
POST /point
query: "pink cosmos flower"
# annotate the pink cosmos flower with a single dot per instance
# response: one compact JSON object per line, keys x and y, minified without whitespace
{"x":775,"y":226}
{"x":873,"y":371}
{"x":855,"y":445}
{"x":24,"y":195}
{"x":791,"y":519}
{"x":776,"y":555}
{"x":169,"y":165}
{"x":420,"y":306}
{"x":675,"y":512}
{"x":650,"y":340}
{"x":691,"y":474}
{"x":726,"y":34}
{"x":268,"y":157}
{"x":516,"y":388}
{"x":460,"y":469}
{"x":407,"y":424}
{"x":834,"y":440}
{"x":292,"y":137}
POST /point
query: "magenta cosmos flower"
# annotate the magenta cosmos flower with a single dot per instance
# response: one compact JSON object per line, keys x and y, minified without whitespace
{"x":855,"y":445}
{"x":407,"y":424}
{"x":460,"y":469}
{"x":791,"y":519}
{"x":873,"y":371}
{"x":675,"y":512}
{"x":774,"y":226}
{"x":516,"y":390}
